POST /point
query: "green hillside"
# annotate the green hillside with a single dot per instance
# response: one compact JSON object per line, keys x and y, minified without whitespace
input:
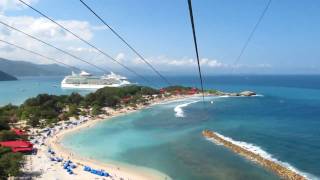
{"x":6,"y":77}
{"x":23,"y":68}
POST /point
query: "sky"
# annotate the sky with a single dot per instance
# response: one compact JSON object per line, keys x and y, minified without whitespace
{"x":287,"y":40}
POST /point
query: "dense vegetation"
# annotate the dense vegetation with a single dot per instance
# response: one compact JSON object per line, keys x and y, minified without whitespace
{"x":24,"y":68}
{"x":10,"y":163}
{"x":44,"y":109}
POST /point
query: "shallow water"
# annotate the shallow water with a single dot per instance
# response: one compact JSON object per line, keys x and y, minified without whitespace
{"x":284,"y":122}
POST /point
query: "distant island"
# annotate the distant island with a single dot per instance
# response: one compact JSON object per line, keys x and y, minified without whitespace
{"x":23,"y":68}
{"x":6,"y":77}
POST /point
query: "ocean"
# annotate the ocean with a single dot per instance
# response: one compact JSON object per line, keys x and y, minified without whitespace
{"x":16,"y":92}
{"x":283,"y":121}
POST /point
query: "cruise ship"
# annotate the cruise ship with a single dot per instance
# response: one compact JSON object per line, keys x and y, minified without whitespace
{"x":85,"y":80}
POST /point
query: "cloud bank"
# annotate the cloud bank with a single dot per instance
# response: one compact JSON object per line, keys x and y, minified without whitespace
{"x":48,"y":31}
{"x":6,"y":5}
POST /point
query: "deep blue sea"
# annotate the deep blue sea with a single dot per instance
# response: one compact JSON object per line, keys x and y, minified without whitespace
{"x":284,"y":122}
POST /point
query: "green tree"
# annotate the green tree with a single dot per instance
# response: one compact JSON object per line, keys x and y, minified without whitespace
{"x":4,"y":124}
{"x":73,"y":110}
{"x":10,"y":164}
{"x":74,"y":98}
{"x":96,"y":110}
{"x":4,"y":150}
{"x":7,"y":135}
{"x":33,"y":121}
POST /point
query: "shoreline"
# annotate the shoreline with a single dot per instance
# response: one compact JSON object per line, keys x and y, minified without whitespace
{"x":126,"y":172}
{"x":270,"y":164}
{"x":116,"y":170}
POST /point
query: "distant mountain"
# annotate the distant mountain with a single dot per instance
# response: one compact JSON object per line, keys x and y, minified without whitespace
{"x":23,"y":68}
{"x":6,"y":77}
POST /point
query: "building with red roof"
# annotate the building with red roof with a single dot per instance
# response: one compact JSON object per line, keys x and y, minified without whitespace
{"x":192,"y":91}
{"x":162,"y":91}
{"x":126,"y":99}
{"x":18,"y":131}
{"x":18,"y":146}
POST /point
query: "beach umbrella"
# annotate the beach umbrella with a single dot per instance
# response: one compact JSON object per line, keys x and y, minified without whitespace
{"x":86,"y":168}
{"x":73,"y":165}
{"x":93,"y":171}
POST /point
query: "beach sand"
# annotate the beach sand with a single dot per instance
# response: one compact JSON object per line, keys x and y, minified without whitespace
{"x":41,"y":167}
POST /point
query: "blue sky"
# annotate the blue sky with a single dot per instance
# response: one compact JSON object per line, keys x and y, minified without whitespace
{"x":286,"y":41}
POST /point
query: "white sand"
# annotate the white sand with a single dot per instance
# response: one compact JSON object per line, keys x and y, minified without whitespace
{"x":46,"y":169}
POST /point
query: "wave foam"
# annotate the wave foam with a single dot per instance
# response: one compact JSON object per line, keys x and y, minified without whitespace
{"x":258,"y":150}
{"x":179,"y":108}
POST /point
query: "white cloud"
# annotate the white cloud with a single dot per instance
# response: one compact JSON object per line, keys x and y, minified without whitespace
{"x":264,"y":65}
{"x":212,"y":63}
{"x":99,"y":28}
{"x":47,"y":31}
{"x":187,"y":65}
{"x":13,"y":4}
{"x":82,"y":50}
{"x":120,"y":57}
{"x":183,"y":62}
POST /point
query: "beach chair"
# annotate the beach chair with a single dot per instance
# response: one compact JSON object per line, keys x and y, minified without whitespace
{"x":99,"y":173}
{"x":93,"y":171}
{"x":87,"y":168}
{"x":72,"y":165}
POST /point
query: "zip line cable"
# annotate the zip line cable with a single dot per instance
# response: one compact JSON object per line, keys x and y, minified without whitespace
{"x":196,"y":46}
{"x":48,"y":44}
{"x":88,"y":43}
{"x":126,"y":42}
{"x":38,"y":54}
{"x":252,"y":33}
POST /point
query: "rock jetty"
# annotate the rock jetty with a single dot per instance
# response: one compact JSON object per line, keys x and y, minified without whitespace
{"x":247,"y":93}
{"x":277,"y":168}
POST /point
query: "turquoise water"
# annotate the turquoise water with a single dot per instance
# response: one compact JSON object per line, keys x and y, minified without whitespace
{"x":16,"y":92}
{"x":284,"y":122}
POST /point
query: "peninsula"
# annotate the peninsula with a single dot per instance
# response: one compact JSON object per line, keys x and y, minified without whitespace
{"x":45,"y":119}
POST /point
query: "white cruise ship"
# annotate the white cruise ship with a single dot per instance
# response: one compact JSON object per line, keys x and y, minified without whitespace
{"x":85,"y":80}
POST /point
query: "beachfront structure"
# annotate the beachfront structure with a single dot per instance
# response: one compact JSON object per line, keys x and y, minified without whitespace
{"x":18,"y":146}
{"x":193,"y":91}
{"x":18,"y":131}
{"x":85,"y":80}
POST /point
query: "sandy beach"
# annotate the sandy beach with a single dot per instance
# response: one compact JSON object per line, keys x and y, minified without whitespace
{"x":40,"y":166}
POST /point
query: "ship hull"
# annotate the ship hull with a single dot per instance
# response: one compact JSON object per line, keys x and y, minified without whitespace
{"x":88,"y":86}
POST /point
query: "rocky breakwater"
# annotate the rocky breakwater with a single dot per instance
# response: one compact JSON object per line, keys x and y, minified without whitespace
{"x":243,"y":93}
{"x":276,"y":167}
{"x":221,"y":93}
